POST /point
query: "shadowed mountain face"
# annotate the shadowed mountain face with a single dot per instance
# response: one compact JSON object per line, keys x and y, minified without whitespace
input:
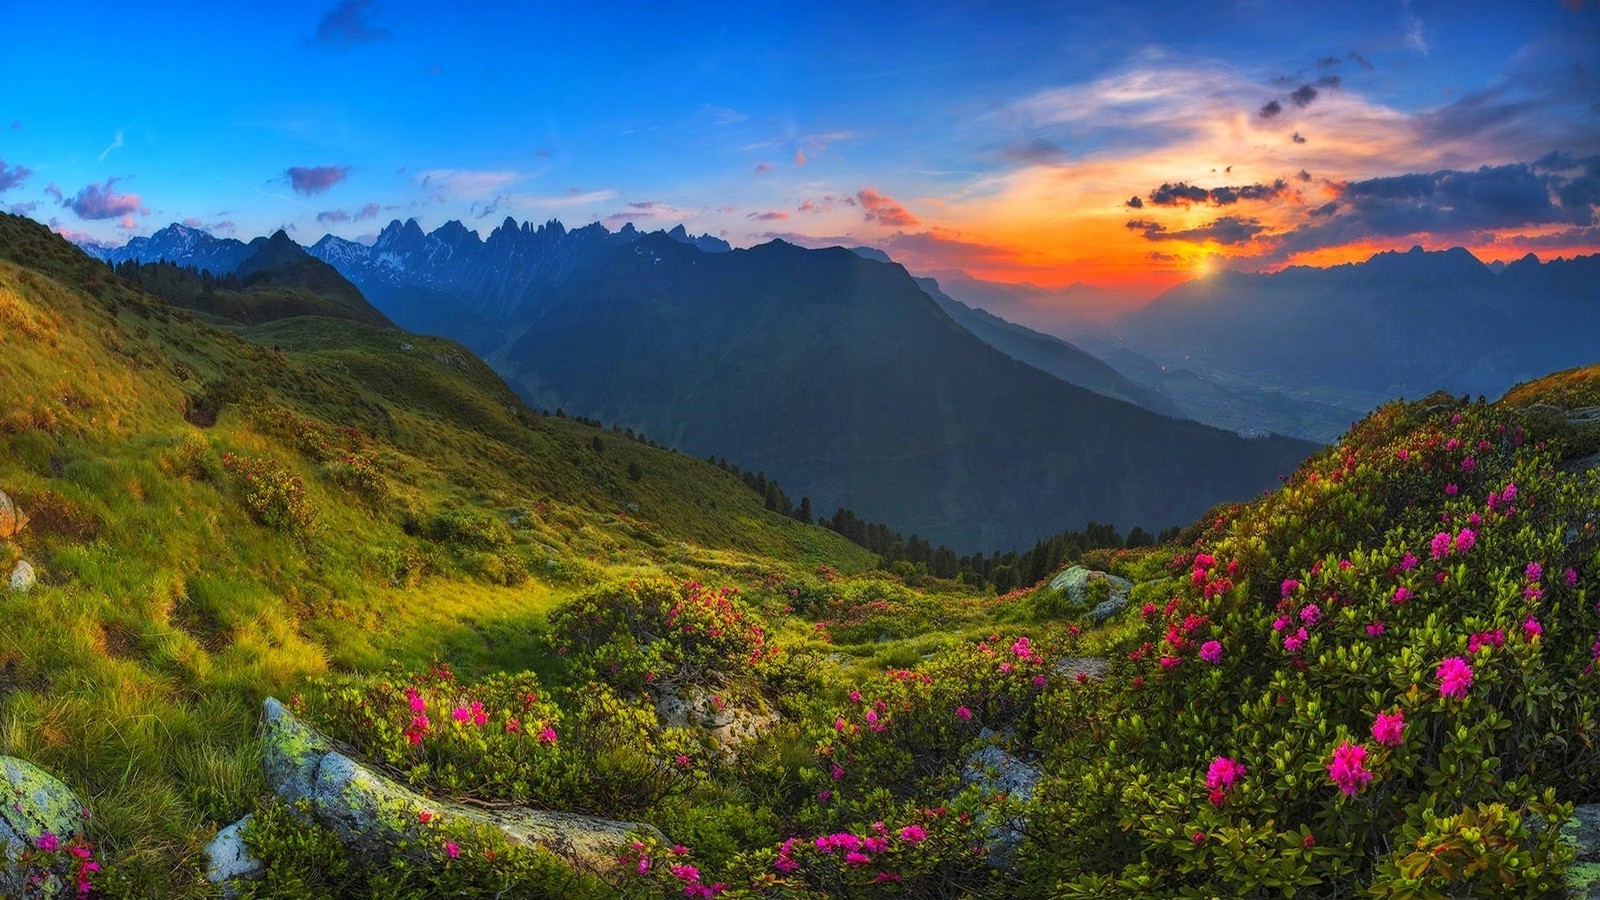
{"x":841,"y":377}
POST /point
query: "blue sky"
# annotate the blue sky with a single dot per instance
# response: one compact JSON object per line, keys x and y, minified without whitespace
{"x":1003,"y":138}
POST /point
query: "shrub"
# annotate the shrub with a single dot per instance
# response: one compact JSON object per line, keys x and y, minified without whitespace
{"x":273,"y":495}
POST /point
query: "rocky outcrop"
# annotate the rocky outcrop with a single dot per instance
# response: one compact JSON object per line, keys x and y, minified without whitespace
{"x":12,"y":521}
{"x":374,"y":814}
{"x":228,"y":860}
{"x":1583,"y":833}
{"x":997,"y":771}
{"x":1075,"y":582}
{"x":33,"y":803}
{"x":727,"y":724}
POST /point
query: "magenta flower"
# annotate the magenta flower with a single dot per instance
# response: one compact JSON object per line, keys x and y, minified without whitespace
{"x":1440,"y":545}
{"x":1572,"y":576}
{"x":1038,"y":681}
{"x":1531,"y":629}
{"x":1281,"y":623}
{"x":1451,"y":490}
{"x":644,"y":864}
{"x":1404,"y":455}
{"x":1375,"y":629}
{"x":963,"y":714}
{"x":547,"y":735}
{"x":1402,"y":594}
{"x":855,"y":696}
{"x":1408,"y":562}
{"x":913,"y":834}
{"x":1295,"y":641}
{"x":1211,"y":652}
{"x":1288,"y":587}
{"x":1311,"y":614}
{"x":461,"y":714}
{"x":856,"y":858}
{"x":1467,"y":464}
{"x":1023,"y":648}
{"x":685,"y":872}
{"x":1466,"y":540}
{"x":1455,"y":676}
{"x":1388,"y":729}
{"x":1224,"y":773}
{"x":1533,"y":572}
{"x":1348,"y":769}
{"x":47,"y":842}
{"x":451,"y":849}
{"x":823,"y":796}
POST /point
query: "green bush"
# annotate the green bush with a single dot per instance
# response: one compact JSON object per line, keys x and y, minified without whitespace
{"x":273,"y":495}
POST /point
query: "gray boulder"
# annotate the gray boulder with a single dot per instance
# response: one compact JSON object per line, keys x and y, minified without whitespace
{"x":1075,"y":583}
{"x":1583,"y":833}
{"x":996,"y":771}
{"x":374,"y":814}
{"x":728,"y":727}
{"x":228,"y":860}
{"x":23,"y":578}
{"x":33,"y":803}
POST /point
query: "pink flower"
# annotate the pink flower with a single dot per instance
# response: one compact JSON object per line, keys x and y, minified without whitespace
{"x":644,"y":864}
{"x":1199,"y":837}
{"x":1288,"y":587}
{"x":547,"y":735}
{"x":451,"y":849}
{"x":47,"y":842}
{"x":1572,"y":576}
{"x":1408,"y":562}
{"x":1467,"y":464}
{"x":1451,"y":490}
{"x":823,"y":796}
{"x":1295,"y":641}
{"x":1388,"y":728}
{"x":837,"y":771}
{"x":1440,"y":545}
{"x":1482,"y":639}
{"x":785,"y":865}
{"x":1349,"y":768}
{"x":1404,"y":455}
{"x":1211,"y":652}
{"x":1023,"y":648}
{"x":685,"y":872}
{"x":1455,"y":676}
{"x":963,"y":714}
{"x":1224,"y":773}
{"x":1281,"y":623}
{"x":1466,"y":540}
{"x":1169,"y":662}
{"x":417,"y":703}
{"x":461,"y":714}
{"x":1531,"y":629}
{"x":913,"y":834}
{"x":424,"y":816}
{"x":1311,"y":614}
{"x":855,"y":696}
{"x":856,"y":858}
{"x":1038,"y":681}
{"x":1375,"y":629}
{"x":1402,"y":594}
{"x":1534,"y":571}
{"x":1006,"y":668}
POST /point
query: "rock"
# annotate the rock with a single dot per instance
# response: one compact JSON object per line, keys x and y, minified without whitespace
{"x":996,"y":771}
{"x":1088,"y":666}
{"x":22,"y":578}
{"x":1075,"y":582}
{"x":374,"y":814}
{"x":12,"y":521}
{"x":1582,"y":831}
{"x":694,"y":707}
{"x":32,"y":803}
{"x":228,"y":860}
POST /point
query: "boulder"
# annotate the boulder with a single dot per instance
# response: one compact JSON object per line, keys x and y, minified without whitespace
{"x":32,"y":803}
{"x":1075,"y":583}
{"x":12,"y":521}
{"x":375,"y":814}
{"x":997,"y":771}
{"x":228,"y":860}
{"x":729,"y":726}
{"x":23,"y":578}
{"x":1582,"y":831}
{"x":1087,"y":666}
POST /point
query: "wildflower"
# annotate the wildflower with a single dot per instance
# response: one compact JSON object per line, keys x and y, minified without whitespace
{"x":47,"y":842}
{"x":1023,"y":648}
{"x":913,"y":834}
{"x":1482,"y":639}
{"x":1039,"y":681}
{"x":785,"y":865}
{"x":1388,"y":728}
{"x":1572,"y":576}
{"x":1468,"y":464}
{"x":1451,"y":490}
{"x":418,"y":704}
{"x":644,"y":864}
{"x":1211,"y":652}
{"x":1170,"y":662}
{"x":547,"y":735}
{"x":685,"y":872}
{"x":424,"y":816}
{"x":461,"y":714}
{"x":1281,"y":623}
{"x":1465,"y":540}
{"x":1149,"y":609}
{"x":963,"y":714}
{"x":1309,"y":841}
{"x":1404,"y":455}
{"x":1455,"y":676}
{"x":1311,"y":614}
{"x":1199,"y":837}
{"x":855,"y":696}
{"x":1531,"y":629}
{"x":1440,"y":545}
{"x":480,"y":716}
{"x":1402,"y":594}
{"x":1533,"y":572}
{"x":451,"y":849}
{"x":885,"y":878}
{"x":837,"y":771}
{"x":823,"y":796}
{"x":1375,"y":629}
{"x":1288,"y":587}
{"x":1295,"y":641}
{"x":1224,"y":773}
{"x":1348,"y":769}
{"x":1408,"y":562}
{"x":1006,"y":668}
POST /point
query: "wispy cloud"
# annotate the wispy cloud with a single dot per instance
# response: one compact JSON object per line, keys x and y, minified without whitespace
{"x":116,"y":142}
{"x":467,"y":184}
{"x":884,"y":209}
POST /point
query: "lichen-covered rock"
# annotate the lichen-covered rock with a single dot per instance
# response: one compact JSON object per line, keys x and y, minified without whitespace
{"x":23,"y":578}
{"x":374,"y":814}
{"x":228,"y":860}
{"x":12,"y":521}
{"x":997,"y":771}
{"x":1583,"y":833}
{"x":1075,"y":582}
{"x":32,"y":803}
{"x":1087,"y":666}
{"x":728,"y":724}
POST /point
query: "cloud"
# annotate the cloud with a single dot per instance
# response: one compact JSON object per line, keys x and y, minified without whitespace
{"x":103,"y":202}
{"x":191,"y":222}
{"x":1036,"y":152}
{"x":310,"y":180}
{"x":13,"y":176}
{"x":763,"y":167}
{"x":452,"y":184}
{"x":1326,"y":209}
{"x":722,"y":115}
{"x":799,"y":157}
{"x":333,"y":216}
{"x":767,"y":216}
{"x":1225,"y":230}
{"x":883,"y":209}
{"x":1332,"y":82}
{"x":1304,"y":175}
{"x":347,"y":24}
{"x":1415,"y":39}
{"x":115,"y":143}
{"x":1134,"y":203}
{"x":1360,"y":60}
{"x":72,"y":234}
{"x":24,"y":209}
{"x":1329,"y":61}
{"x":1183,"y":194}
{"x":1271,"y":109}
{"x":1298,"y":138}
{"x":1303,"y":95}
{"x":573,"y":197}
{"x":53,"y":192}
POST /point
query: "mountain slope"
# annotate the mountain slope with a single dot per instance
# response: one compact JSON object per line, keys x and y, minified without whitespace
{"x":179,"y":244}
{"x":840,"y":376}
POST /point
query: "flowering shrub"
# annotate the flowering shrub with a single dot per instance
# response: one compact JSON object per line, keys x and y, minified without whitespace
{"x":273,"y":495}
{"x":53,"y":866}
{"x":660,"y":632}
{"x":359,"y":474}
{"x":1391,"y":648}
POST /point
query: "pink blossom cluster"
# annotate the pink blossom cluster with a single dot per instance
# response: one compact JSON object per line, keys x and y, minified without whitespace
{"x":1348,"y":769}
{"x":1221,"y":777}
{"x":1455,"y":676}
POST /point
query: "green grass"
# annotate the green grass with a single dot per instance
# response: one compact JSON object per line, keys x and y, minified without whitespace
{"x":165,"y":612}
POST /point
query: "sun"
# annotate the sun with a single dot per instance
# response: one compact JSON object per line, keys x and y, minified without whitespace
{"x":1202,"y":266}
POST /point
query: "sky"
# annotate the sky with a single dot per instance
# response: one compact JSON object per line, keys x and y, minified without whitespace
{"x":1126,"y":145}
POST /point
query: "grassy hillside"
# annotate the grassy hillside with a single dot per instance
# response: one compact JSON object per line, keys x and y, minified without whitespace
{"x":423,"y":512}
